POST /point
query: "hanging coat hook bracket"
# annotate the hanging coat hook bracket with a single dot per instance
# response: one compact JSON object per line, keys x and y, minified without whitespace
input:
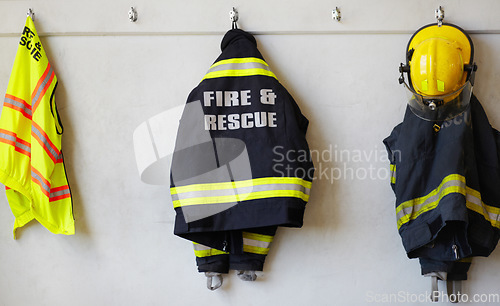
{"x":132,"y":14}
{"x":233,"y":16}
{"x":336,"y":14}
{"x":31,"y":14}
{"x":440,"y":16}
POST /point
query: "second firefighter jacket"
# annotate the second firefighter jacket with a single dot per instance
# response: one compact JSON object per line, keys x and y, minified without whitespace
{"x":446,"y":178}
{"x":241,"y":158}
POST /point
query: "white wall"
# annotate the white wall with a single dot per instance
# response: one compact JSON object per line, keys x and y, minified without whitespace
{"x":114,"y":75}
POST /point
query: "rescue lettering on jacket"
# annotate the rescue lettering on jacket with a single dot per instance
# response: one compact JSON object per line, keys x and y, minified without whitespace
{"x":27,"y":41}
{"x":237,"y":121}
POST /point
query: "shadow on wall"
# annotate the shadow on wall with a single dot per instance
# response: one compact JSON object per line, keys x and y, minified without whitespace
{"x":321,"y":213}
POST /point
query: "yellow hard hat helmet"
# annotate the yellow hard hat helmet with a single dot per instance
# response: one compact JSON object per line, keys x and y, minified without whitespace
{"x":440,"y":71}
{"x":437,"y":67}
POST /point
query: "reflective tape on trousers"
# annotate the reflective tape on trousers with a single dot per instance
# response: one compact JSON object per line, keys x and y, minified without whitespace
{"x":201,"y":250}
{"x":256,"y":243}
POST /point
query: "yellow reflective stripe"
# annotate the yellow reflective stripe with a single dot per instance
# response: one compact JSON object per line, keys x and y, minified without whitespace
{"x":241,"y":60}
{"x":393,"y":173}
{"x":239,"y":73}
{"x":256,"y":243}
{"x":258,"y":237}
{"x":490,"y":213}
{"x":417,"y":201}
{"x":440,"y":85}
{"x":206,"y":253}
{"x":201,"y":250}
{"x":241,"y":184}
{"x":473,"y":202}
{"x":442,"y":192}
{"x":246,"y":196}
{"x":255,"y":250}
{"x":430,"y":206}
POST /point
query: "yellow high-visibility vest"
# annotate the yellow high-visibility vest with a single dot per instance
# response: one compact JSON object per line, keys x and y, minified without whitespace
{"x":31,"y":161}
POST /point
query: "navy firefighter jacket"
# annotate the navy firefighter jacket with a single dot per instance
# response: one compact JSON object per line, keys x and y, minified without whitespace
{"x":446,"y":178}
{"x":228,"y":172}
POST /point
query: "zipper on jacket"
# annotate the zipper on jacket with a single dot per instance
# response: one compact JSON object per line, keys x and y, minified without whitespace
{"x":455,"y":251}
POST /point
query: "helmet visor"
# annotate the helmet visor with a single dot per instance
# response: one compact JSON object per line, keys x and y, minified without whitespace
{"x":439,"y":108}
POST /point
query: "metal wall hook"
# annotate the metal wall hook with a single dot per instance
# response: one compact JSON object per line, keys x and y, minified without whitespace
{"x":440,"y":16}
{"x":336,"y":14}
{"x":233,"y":16}
{"x":132,"y":14}
{"x":31,"y":14}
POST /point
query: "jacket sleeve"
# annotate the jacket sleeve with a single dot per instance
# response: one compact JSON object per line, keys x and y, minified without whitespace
{"x":392,"y":153}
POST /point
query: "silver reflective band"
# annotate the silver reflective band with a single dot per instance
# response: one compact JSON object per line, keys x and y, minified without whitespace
{"x":59,"y":193}
{"x":236,"y":67}
{"x":18,"y":104}
{"x":239,"y":66}
{"x":259,"y":188}
{"x":256,"y":243}
{"x":434,"y":198}
{"x":42,"y":85}
{"x":239,"y":191}
{"x":201,"y":247}
{"x":42,"y":183}
{"x":475,"y":203}
{"x":46,"y":143}
{"x":14,"y":140}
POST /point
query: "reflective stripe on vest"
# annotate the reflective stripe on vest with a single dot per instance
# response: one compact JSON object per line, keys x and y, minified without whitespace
{"x":20,"y":145}
{"x":18,"y":104}
{"x":237,"y":67}
{"x":256,"y":243}
{"x":42,"y":138}
{"x":238,"y":191}
{"x":201,"y":250}
{"x":453,"y":183}
{"x":42,"y":86}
